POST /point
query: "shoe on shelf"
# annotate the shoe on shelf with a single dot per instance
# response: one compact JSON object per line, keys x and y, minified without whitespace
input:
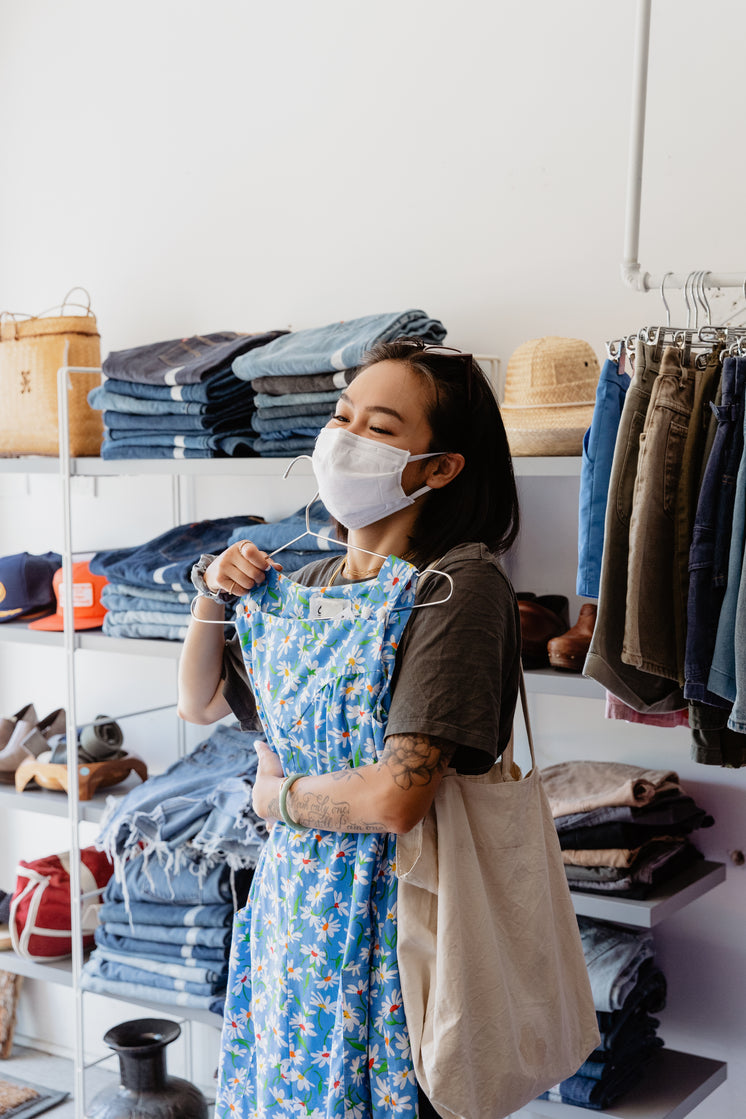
{"x":28,"y":740}
{"x":8,"y":724}
{"x":569,"y":650}
{"x":542,"y":618}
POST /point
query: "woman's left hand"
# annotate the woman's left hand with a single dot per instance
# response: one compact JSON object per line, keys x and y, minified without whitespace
{"x":266,"y":788}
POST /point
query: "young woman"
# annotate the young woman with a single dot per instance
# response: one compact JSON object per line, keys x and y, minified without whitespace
{"x":371,"y":675}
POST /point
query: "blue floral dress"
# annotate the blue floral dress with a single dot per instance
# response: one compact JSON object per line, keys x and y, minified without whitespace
{"x":314,"y":1023}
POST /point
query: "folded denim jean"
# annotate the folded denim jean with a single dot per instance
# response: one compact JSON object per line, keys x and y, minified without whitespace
{"x":191,"y":970}
{"x":656,"y":867}
{"x":228,"y":752}
{"x":126,"y":973}
{"x":217,"y":1006}
{"x":166,"y":561}
{"x":598,"y":1095}
{"x":197,"y":934}
{"x":273,"y":534}
{"x":289,"y":427}
{"x":338,"y":346}
{"x":638,"y":1049}
{"x":265,"y":401}
{"x":92,"y":980}
{"x":290,"y":447}
{"x":166,"y":913}
{"x":303,"y":383}
{"x":216,"y":387}
{"x":155,"y":949}
{"x":122,"y":424}
{"x":232,"y":833}
{"x":308,"y":413}
{"x":104,"y":398}
{"x":126,"y":592}
{"x":149,"y":616}
{"x":182,"y":361}
{"x":177,"y":613}
{"x":613,"y":956}
{"x":667,"y":811}
{"x":144,"y":631}
{"x":113,"y":449}
{"x":179,"y":442}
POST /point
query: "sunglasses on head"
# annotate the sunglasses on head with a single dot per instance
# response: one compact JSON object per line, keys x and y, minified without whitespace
{"x":450,"y":352}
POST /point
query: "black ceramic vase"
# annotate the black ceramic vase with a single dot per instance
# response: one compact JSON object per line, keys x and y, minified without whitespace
{"x":146,"y":1091}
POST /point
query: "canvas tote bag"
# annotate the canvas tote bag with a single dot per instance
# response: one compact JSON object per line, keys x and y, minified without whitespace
{"x":494,"y":983}
{"x":32,"y":349}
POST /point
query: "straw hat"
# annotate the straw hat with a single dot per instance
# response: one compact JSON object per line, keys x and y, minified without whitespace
{"x":550,"y":391}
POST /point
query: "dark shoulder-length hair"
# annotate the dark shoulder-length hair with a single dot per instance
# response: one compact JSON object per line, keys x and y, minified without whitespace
{"x":481,"y":503}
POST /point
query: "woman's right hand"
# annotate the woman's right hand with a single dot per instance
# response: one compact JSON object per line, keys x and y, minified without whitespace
{"x":239,"y":568}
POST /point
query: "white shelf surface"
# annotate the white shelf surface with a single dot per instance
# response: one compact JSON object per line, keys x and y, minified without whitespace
{"x":667,"y":899}
{"x":553,"y":681}
{"x":54,"y":802}
{"x":557,"y":466}
{"x":672,"y":1085}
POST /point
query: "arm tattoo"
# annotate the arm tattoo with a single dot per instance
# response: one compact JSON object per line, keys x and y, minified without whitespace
{"x":414,"y":759}
{"x":319,"y":810}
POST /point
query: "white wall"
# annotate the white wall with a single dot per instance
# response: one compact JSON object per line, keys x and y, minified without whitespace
{"x":251,"y":166}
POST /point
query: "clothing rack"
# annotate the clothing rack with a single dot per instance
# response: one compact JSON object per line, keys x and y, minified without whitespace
{"x":632,"y":272}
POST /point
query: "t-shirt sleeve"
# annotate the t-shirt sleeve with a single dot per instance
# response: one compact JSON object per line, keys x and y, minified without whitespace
{"x":457,"y":669}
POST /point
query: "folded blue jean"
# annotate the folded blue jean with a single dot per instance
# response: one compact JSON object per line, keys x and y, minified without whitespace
{"x":166,"y":561}
{"x":228,"y":752}
{"x":121,"y":425}
{"x":178,"y":442}
{"x":638,"y":1050}
{"x":217,"y":1006}
{"x":182,"y":361}
{"x":232,"y":833}
{"x":126,"y":592}
{"x":274,"y":534}
{"x":92,"y":980}
{"x":144,"y":631}
{"x":103,"y":398}
{"x":582,"y":1091}
{"x":148,"y":616}
{"x":265,"y":400}
{"x":166,"y":913}
{"x":126,"y":973}
{"x":267,"y":448}
{"x":613,"y":956}
{"x":340,"y":345}
{"x":197,"y":934}
{"x":216,"y":387}
{"x":191,"y":970}
{"x":154,"y":949}
{"x":296,"y":426}
{"x":112,"y":449}
{"x":309,"y":412}
{"x":177,"y":612}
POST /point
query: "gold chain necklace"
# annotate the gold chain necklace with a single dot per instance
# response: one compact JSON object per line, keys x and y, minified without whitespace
{"x":363,"y":574}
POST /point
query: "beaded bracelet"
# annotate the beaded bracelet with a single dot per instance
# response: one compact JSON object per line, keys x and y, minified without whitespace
{"x":285,"y":788}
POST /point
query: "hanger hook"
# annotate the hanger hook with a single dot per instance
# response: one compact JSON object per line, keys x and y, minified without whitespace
{"x":665,"y":301}
{"x":701,"y":292}
{"x":686,"y":300}
{"x":705,"y":297}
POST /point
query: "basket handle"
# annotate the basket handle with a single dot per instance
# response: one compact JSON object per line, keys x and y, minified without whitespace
{"x":67,"y":302}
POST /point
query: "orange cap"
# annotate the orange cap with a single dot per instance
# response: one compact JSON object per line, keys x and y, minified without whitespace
{"x":88,"y":613}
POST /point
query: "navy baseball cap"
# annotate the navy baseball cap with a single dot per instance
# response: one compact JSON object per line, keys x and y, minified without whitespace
{"x":26,"y":584}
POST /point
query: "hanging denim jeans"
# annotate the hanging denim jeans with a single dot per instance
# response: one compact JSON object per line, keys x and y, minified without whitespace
{"x":314,"y":1018}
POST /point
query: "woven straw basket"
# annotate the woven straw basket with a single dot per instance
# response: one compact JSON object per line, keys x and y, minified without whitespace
{"x":31,"y":352}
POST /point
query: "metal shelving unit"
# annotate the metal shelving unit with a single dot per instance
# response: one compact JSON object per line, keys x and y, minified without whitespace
{"x":673,"y":1085}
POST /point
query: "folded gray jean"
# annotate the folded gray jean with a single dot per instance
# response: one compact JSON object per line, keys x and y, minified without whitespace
{"x":303,"y":383}
{"x":614,"y":957}
{"x":265,"y":401}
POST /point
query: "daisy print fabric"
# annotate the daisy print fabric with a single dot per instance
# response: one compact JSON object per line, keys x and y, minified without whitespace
{"x":314,"y":1024}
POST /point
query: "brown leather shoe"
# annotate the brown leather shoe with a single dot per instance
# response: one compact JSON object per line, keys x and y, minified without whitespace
{"x":569,"y":650}
{"x":541,"y":619}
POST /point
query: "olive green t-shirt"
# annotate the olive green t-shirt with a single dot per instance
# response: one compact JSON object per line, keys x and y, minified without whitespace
{"x":457,"y":666}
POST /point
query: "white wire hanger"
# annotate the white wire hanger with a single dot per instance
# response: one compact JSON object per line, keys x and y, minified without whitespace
{"x":310,"y":532}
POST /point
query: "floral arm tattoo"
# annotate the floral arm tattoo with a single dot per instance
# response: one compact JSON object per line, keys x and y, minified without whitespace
{"x":414,"y":760}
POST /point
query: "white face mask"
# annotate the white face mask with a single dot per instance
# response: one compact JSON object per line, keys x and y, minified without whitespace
{"x":359,"y":479}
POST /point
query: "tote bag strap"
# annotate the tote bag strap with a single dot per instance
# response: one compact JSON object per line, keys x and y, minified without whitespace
{"x":526,"y":719}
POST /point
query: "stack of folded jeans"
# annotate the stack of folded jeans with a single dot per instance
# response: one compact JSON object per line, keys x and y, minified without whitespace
{"x":199,"y":811}
{"x":178,"y":399}
{"x":628,"y":988}
{"x":622,"y":829}
{"x":298,"y":377}
{"x":150,"y":587}
{"x":165,"y":936}
{"x":184,"y":845}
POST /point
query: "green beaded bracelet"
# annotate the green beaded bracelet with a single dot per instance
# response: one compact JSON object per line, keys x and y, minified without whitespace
{"x":285,"y":788}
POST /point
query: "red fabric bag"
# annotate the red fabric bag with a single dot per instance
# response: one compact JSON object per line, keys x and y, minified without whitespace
{"x":40,"y":906}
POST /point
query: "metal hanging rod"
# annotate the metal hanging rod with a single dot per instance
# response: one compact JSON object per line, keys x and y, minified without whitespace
{"x":632,"y":272}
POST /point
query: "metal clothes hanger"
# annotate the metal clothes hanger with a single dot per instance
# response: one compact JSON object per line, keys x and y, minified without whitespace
{"x":309,"y":532}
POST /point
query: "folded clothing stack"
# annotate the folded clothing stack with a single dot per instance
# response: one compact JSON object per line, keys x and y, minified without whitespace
{"x":628,"y":988}
{"x":276,"y":534}
{"x":178,"y":399}
{"x":166,"y":936}
{"x":298,"y":377}
{"x":150,"y":588}
{"x":198,"y":811}
{"x":622,"y":829}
